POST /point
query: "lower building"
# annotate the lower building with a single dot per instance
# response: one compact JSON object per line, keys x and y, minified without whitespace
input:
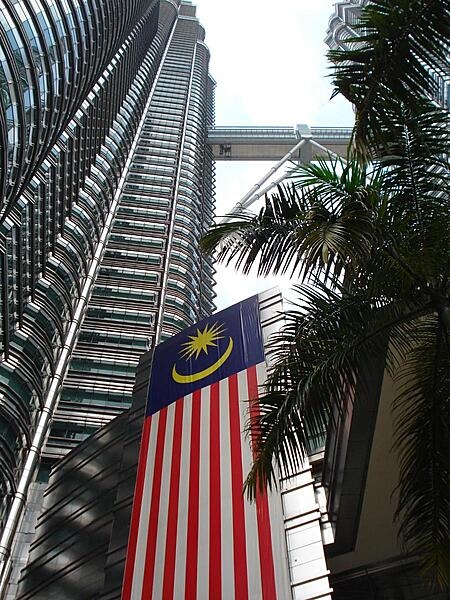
{"x":360,"y":475}
{"x":81,"y":538}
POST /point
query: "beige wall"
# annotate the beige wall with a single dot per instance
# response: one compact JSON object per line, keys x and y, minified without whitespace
{"x":377,"y":536}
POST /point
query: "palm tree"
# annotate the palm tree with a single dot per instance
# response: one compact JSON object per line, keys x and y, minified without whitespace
{"x":368,"y":241}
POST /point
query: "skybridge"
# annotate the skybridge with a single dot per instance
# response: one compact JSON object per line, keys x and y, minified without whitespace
{"x":300,"y":144}
{"x":272,"y":143}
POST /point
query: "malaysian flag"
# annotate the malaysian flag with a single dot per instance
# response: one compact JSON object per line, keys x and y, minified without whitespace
{"x":193,"y":534}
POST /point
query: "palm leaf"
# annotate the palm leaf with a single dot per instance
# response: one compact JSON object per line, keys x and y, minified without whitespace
{"x":422,"y":412}
{"x":318,"y":225}
{"x":316,"y":356}
{"x":372,"y":237}
{"x":402,"y":47}
{"x":416,"y":179}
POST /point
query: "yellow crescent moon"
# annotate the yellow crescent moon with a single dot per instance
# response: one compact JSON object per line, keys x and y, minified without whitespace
{"x":202,"y":374}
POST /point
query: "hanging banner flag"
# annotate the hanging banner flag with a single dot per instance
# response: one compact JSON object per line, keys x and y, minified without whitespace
{"x":193,"y":533}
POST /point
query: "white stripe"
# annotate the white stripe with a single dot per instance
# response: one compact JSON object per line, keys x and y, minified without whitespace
{"x":279,"y":547}
{"x":141,"y":544}
{"x":225,"y":492}
{"x":163,"y":507}
{"x":203,"y":525}
{"x":180,"y":559}
{"x":251,"y":525}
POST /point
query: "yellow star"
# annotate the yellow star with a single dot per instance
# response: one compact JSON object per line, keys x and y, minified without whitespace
{"x":201,"y":341}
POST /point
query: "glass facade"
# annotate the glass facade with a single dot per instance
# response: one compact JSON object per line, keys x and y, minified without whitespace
{"x":153,"y":280}
{"x":106,"y":186}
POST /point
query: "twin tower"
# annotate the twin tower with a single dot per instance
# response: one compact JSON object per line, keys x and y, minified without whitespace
{"x":106,"y":186}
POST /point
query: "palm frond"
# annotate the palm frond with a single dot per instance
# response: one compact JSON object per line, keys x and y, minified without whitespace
{"x":317,"y":355}
{"x":403,"y":45}
{"x":319,"y":224}
{"x":422,"y":412}
{"x":416,"y":179}
{"x":421,"y":130}
{"x":372,"y":238}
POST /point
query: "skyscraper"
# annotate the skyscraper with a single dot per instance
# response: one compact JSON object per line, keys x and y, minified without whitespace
{"x":152,"y":281}
{"x":106,"y":187}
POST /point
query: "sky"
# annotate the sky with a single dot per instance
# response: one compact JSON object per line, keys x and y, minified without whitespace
{"x":269,"y":62}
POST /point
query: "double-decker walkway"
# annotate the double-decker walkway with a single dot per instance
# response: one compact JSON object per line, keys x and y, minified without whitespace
{"x":299,"y":144}
{"x":272,"y":143}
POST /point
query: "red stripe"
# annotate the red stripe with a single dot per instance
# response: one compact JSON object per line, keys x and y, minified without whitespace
{"x":262,"y":510}
{"x":136,"y":513}
{"x":154,"y":505}
{"x":172,"y":517}
{"x":193,"y":500}
{"x":237,"y":478}
{"x":215,"y":555}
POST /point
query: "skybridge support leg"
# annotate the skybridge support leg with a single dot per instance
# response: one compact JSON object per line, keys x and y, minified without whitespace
{"x":255,"y":193}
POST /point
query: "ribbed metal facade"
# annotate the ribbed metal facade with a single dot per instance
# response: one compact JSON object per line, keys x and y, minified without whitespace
{"x":105,"y":179}
{"x":341,"y":23}
{"x":52,"y":53}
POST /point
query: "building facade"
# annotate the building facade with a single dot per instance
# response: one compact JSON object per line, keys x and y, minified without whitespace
{"x":342,"y":22}
{"x":152,"y":281}
{"x":106,"y":186}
